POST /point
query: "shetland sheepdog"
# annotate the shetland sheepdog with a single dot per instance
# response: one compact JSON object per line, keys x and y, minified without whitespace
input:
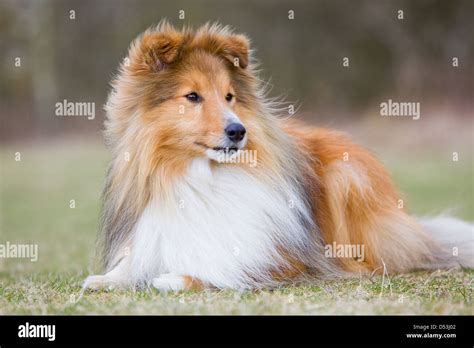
{"x":185,"y":208}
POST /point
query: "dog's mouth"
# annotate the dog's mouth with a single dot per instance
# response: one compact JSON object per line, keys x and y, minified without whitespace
{"x":229,"y":149}
{"x":221,"y":154}
{"x":224,"y":149}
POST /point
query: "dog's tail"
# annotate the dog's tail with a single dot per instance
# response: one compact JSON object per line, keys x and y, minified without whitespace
{"x":364,"y":214}
{"x":455,"y":238}
{"x":407,"y":243}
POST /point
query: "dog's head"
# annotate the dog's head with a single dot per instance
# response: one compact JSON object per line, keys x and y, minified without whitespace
{"x":189,"y":92}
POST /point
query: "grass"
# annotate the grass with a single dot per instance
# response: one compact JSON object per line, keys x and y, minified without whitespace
{"x":444,"y":292}
{"x":36,"y":194}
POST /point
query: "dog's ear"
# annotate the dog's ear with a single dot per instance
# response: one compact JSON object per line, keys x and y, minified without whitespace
{"x":160,"y":49}
{"x":236,"y":50}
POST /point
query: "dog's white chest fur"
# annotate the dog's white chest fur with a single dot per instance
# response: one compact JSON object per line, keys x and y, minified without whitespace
{"x":222,"y":226}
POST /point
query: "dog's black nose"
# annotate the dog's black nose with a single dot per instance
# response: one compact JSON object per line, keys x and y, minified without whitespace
{"x":235,"y":132}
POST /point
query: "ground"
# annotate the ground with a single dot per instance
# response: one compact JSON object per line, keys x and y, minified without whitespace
{"x":51,"y":198}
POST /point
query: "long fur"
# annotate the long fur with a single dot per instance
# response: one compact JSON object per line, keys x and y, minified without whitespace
{"x":170,"y":210}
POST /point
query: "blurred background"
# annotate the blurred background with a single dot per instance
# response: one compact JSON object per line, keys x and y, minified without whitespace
{"x":408,"y":59}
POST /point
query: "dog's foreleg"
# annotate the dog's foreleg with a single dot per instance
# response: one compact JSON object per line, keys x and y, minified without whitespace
{"x":118,"y":277}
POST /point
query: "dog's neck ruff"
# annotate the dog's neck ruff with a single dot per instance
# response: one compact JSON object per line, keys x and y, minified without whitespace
{"x":221,"y":225}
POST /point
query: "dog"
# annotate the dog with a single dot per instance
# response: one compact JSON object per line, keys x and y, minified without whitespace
{"x":184,"y":209}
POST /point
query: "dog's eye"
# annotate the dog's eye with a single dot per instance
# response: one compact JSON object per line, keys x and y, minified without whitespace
{"x":193,"y":97}
{"x":229,"y":97}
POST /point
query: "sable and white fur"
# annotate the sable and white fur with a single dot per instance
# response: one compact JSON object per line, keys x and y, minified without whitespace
{"x":174,"y":218}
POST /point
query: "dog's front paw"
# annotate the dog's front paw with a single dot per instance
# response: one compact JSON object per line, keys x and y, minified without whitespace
{"x":96,"y":282}
{"x":169,"y":282}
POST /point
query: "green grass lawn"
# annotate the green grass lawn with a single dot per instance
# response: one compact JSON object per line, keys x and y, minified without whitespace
{"x":36,"y":194}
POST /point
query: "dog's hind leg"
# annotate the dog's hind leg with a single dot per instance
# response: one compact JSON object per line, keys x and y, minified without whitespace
{"x":176,"y":282}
